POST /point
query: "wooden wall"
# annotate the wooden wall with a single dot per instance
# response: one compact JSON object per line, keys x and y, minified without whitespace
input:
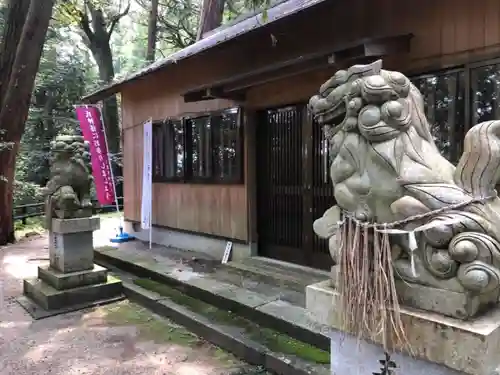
{"x":218,"y":210}
{"x":446,"y":33}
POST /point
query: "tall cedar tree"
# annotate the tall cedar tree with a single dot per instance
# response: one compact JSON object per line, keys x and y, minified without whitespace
{"x":152,"y":31}
{"x":97,"y":29}
{"x":21,"y":48}
{"x":211,"y":16}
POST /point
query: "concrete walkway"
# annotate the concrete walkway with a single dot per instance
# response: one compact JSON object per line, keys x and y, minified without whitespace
{"x":121,"y":338}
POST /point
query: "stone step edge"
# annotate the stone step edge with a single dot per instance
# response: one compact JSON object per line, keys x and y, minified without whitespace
{"x":237,"y":343}
{"x":274,"y":276}
{"x":286,"y":267}
{"x":262,"y":318}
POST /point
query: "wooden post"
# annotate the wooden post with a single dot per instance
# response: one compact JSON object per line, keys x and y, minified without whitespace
{"x":249,"y":129}
{"x":24,"y":211}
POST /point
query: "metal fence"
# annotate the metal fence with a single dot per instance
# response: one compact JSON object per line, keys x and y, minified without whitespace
{"x":25,"y":211}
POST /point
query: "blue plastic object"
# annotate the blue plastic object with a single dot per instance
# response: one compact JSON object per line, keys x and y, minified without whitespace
{"x":122,"y":237}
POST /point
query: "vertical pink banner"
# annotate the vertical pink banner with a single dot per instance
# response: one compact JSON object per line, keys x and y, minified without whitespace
{"x":93,"y":132}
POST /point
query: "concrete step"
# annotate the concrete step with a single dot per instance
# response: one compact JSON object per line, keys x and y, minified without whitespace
{"x":258,"y":345}
{"x":266,"y":309}
{"x":278,"y":273}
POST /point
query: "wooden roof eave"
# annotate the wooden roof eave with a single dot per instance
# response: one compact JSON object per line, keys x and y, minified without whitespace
{"x":235,"y":87}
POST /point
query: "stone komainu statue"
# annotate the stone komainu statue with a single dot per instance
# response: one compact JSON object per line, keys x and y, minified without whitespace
{"x":388,"y":173}
{"x":68,"y":190}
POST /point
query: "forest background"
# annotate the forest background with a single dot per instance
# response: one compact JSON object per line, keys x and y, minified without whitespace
{"x":52,"y":52}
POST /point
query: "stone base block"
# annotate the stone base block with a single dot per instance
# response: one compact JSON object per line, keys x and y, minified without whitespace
{"x":37,"y":312}
{"x":469,"y":347}
{"x":84,"y":224}
{"x":441,"y":301}
{"x":448,"y":303}
{"x":71,"y":252}
{"x":63,"y":281}
{"x":50,"y":298}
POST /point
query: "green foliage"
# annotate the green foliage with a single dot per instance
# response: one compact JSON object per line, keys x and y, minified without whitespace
{"x":258,"y":4}
{"x":34,"y":225}
{"x":129,"y":45}
{"x":70,"y":12}
{"x":177,"y":23}
{"x":68,"y":70}
{"x":27,"y":193}
{"x":60,"y":83}
{"x":3,"y":13}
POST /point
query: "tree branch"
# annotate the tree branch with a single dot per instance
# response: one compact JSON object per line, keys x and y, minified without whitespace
{"x":85,"y":39}
{"x":114,"y":20}
{"x":97,"y":18}
{"x":85,"y":25}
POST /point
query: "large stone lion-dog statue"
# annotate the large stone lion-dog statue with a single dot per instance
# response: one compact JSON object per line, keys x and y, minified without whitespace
{"x":386,"y":168}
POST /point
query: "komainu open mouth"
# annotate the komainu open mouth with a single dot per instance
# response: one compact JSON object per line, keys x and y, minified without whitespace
{"x":325,"y":113}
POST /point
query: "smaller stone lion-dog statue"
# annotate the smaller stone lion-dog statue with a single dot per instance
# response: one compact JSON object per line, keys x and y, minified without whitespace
{"x":68,"y":190}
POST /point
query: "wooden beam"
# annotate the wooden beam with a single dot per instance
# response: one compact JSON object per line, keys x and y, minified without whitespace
{"x":247,"y":79}
{"x":211,"y":93}
{"x":356,"y":51}
{"x":274,"y":75}
{"x":374,"y":47}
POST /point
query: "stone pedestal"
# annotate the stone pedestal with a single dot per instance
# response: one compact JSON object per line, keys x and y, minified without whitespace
{"x":72,"y":281}
{"x":463,"y":306}
{"x":441,"y":345}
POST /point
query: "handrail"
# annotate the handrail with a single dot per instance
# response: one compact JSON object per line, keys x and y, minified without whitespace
{"x":25,"y":211}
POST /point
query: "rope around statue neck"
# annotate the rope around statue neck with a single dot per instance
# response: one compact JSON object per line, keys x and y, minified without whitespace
{"x":389,"y":228}
{"x":383,"y":227}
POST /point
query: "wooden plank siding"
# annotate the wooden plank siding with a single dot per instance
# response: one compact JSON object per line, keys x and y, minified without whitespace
{"x":218,"y":210}
{"x":446,"y":33}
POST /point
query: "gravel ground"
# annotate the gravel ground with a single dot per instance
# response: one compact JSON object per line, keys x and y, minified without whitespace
{"x":115,"y":339}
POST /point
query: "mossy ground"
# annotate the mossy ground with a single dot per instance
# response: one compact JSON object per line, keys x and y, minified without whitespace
{"x":161,"y":330}
{"x":149,"y":326}
{"x":274,"y":340}
{"x":33,"y":226}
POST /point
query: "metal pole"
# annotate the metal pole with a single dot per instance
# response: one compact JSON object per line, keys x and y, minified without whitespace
{"x":109,"y":163}
{"x":150,"y":232}
{"x":150,"y":176}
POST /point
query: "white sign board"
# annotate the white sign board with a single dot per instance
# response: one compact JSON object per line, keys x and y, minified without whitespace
{"x":227,"y":252}
{"x":147,"y":176}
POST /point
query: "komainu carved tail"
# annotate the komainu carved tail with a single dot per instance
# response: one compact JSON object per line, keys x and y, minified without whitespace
{"x":478,"y":170}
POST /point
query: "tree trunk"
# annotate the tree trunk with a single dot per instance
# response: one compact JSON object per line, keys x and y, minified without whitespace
{"x":49,"y":132}
{"x":211,"y":16}
{"x":104,"y":60}
{"x":17,"y":11}
{"x":21,"y":50}
{"x":7,"y":171}
{"x":152,"y":31}
{"x":97,"y":40}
